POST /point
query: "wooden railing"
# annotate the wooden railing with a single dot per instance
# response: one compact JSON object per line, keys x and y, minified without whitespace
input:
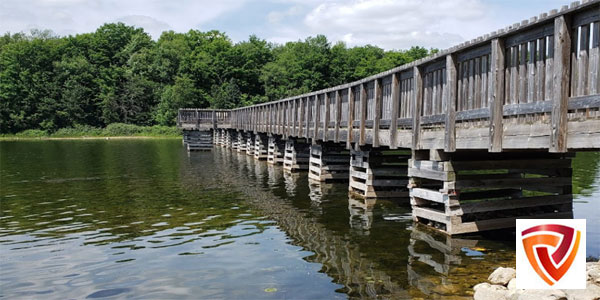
{"x":189,"y":118}
{"x":525,"y":86}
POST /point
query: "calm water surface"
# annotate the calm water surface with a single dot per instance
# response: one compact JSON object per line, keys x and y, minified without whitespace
{"x":143,"y":219}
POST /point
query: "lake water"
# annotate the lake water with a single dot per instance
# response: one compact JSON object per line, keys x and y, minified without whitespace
{"x":145,"y":219}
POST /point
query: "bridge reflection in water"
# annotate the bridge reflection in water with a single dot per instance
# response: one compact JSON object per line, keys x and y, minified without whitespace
{"x":372,"y":249}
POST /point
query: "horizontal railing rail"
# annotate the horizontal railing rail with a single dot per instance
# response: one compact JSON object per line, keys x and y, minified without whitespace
{"x":211,"y":118}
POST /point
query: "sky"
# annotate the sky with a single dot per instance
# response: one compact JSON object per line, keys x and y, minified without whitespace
{"x":389,"y":24}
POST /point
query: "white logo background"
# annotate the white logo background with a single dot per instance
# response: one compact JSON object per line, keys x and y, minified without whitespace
{"x":574,"y":278}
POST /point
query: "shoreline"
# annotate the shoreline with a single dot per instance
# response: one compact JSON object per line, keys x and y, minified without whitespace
{"x":501,"y":285}
{"x":123,"y":137}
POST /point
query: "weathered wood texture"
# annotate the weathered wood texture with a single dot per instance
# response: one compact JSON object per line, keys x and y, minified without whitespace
{"x":198,"y":140}
{"x":261,"y":141}
{"x":378,"y":174}
{"x":477,"y":191}
{"x":328,"y":162}
{"x":531,"y":85}
{"x":296,"y":156}
{"x":276,"y":149}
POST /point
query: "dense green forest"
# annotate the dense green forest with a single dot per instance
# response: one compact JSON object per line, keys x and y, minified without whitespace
{"x":119,"y":74}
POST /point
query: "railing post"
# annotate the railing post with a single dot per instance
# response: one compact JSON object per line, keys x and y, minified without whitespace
{"x":363,"y":114}
{"x":395,"y":108}
{"x":350,"y":118}
{"x":270,"y":119}
{"x":338,"y":115}
{"x":307,"y":117}
{"x":417,"y":102}
{"x":288,"y":122}
{"x":450,"y":104}
{"x":214,"y":119}
{"x":285,"y":118}
{"x":316,"y":118}
{"x":294,"y":117}
{"x":301,"y":108}
{"x":377,"y":117}
{"x":197,"y":119}
{"x":327,"y":113}
{"x":560,"y":98}
{"x":279,"y":118}
{"x":252,"y":119}
{"x":496,"y":94}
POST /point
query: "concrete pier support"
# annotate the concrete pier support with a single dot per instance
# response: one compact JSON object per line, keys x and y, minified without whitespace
{"x":249,"y":143}
{"x":198,"y":140}
{"x":276,"y":150}
{"x":297,"y":152}
{"x":471,"y":191}
{"x":261,"y":141}
{"x":329,"y":162}
{"x":378,"y":173}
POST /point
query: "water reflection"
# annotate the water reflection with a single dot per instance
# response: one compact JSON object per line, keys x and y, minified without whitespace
{"x":438,"y":253}
{"x":365,"y":253}
{"x":361,"y":214}
{"x":143,"y":219}
{"x":275,"y":174}
{"x":291,"y":182}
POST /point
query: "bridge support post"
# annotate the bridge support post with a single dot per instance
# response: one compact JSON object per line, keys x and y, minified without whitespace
{"x":228,"y":143}
{"x":198,"y":140}
{"x":328,"y":162}
{"x":249,"y":143}
{"x":472,"y":191}
{"x":223,"y":138}
{"x":260,"y":146}
{"x":219,"y":137}
{"x":297,"y":152}
{"x":276,"y":149}
{"x":378,"y":173}
{"x":240,"y":144}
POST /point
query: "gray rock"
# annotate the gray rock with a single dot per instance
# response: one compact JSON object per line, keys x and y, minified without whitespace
{"x":538,"y":295}
{"x":593,"y":272}
{"x":486,"y":291}
{"x":502,"y":276}
{"x":591,"y":292}
{"x":512,"y":284}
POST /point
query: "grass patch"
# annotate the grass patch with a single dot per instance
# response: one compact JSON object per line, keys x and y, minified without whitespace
{"x":112,"y":130}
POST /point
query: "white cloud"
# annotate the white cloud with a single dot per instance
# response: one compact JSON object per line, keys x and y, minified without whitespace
{"x":396,"y":24}
{"x":76,"y":16}
{"x":278,"y":16}
{"x":151,"y":25}
{"x":390,"y":24}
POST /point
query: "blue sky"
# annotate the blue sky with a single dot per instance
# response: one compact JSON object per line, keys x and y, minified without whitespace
{"x":390,"y":24}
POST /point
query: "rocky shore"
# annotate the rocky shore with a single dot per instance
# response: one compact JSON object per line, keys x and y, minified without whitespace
{"x":501,"y":285}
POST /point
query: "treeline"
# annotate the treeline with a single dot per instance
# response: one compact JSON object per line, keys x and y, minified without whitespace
{"x":119,"y":74}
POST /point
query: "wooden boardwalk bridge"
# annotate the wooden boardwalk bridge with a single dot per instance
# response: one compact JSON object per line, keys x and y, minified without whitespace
{"x":476,"y":135}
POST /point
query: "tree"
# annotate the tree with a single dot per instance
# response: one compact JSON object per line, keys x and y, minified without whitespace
{"x":183,"y":94}
{"x":119,"y":74}
{"x":298,"y":67}
{"x":225,"y":96}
